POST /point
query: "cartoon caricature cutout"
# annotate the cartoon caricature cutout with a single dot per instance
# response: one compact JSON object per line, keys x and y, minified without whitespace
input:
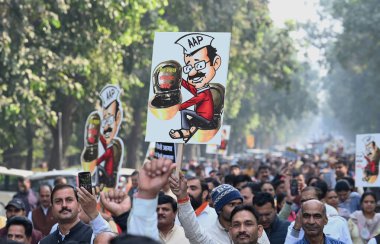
{"x":367,"y":160}
{"x":188,"y":99}
{"x":103,"y":152}
{"x":223,"y":147}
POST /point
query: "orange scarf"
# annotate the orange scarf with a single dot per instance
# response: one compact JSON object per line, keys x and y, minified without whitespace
{"x":201,"y":208}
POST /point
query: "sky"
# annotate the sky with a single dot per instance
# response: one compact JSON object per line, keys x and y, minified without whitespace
{"x":301,"y":11}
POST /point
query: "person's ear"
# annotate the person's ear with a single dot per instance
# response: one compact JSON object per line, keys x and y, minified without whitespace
{"x":259,"y":230}
{"x":204,"y":195}
{"x":217,"y":62}
{"x":325,"y":220}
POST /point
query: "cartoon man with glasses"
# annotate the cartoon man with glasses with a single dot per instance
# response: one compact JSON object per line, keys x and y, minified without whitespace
{"x":112,"y":115}
{"x":201,"y":64}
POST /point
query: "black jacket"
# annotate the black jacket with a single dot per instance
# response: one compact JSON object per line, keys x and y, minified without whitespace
{"x":80,"y":233}
{"x":277,"y":231}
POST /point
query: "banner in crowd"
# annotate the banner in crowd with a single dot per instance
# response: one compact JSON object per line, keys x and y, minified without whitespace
{"x":222,"y":148}
{"x":250,"y":141}
{"x":367,"y":160}
{"x":188,"y":80}
{"x":102,"y":155}
{"x":165,"y":150}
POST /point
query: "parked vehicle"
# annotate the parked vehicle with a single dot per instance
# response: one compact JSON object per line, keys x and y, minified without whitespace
{"x":9,"y":184}
{"x":48,"y":178}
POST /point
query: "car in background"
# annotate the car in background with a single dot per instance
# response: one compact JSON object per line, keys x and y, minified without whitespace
{"x":71,"y":176}
{"x":48,"y":177}
{"x":9,"y":184}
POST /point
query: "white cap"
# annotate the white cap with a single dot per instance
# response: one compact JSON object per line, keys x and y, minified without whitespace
{"x":194,"y":41}
{"x":368,"y":139}
{"x":109,"y":94}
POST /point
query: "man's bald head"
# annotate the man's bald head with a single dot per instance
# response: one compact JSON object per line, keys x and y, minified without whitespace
{"x":314,"y":204}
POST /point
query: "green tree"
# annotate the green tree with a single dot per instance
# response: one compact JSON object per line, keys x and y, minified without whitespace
{"x":353,"y":58}
{"x":55,"y":57}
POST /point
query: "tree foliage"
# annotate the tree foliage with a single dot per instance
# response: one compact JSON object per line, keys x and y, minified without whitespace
{"x":56,"y":55}
{"x":354,"y":60}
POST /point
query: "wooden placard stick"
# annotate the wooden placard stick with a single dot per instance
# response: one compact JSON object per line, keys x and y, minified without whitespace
{"x":178,"y":158}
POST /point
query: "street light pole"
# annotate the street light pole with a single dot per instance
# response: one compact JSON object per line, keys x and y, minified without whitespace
{"x":60,"y":139}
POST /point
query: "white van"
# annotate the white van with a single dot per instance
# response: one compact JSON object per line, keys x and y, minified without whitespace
{"x":48,"y":177}
{"x":9,"y":184}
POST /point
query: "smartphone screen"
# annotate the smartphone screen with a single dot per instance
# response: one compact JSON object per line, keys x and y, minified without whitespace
{"x":294,"y":187}
{"x":84,"y":179}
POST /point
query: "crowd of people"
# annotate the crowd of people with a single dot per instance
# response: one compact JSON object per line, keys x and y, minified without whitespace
{"x":272,"y":200}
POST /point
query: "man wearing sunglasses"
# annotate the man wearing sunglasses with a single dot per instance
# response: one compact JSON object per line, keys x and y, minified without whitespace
{"x":201,"y":64}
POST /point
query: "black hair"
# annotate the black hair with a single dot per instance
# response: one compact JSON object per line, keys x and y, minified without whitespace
{"x":128,"y":238}
{"x":213,"y":181}
{"x":58,"y":180}
{"x":248,"y":208}
{"x":203,"y":184}
{"x":254,"y":186}
{"x":368,"y":193}
{"x":163,"y":199}
{"x":341,"y":160}
{"x":135,"y":173}
{"x":277,"y":183}
{"x":280,"y":197}
{"x":322,"y":186}
{"x":310,"y":179}
{"x":61,"y":187}
{"x":241,"y":178}
{"x":263,"y":198}
{"x":45,"y":185}
{"x":229,"y":179}
{"x":267,"y":182}
{"x":350,"y":181}
{"x":211,"y":53}
{"x":117,"y":107}
{"x":262,"y":167}
{"x":296,"y":174}
{"x":21,"y":220}
{"x":342,"y":185}
{"x":317,"y":191}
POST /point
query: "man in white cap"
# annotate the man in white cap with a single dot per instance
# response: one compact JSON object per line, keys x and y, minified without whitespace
{"x":111,"y":119}
{"x":201,"y":64}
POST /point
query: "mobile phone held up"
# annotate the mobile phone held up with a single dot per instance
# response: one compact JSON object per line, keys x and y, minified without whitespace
{"x":84,"y":179}
{"x":294,"y":187}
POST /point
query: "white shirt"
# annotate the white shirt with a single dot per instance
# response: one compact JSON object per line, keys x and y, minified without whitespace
{"x":207,"y":218}
{"x":216,"y":234}
{"x":372,"y":241}
{"x":143,"y":218}
{"x":176,"y":235}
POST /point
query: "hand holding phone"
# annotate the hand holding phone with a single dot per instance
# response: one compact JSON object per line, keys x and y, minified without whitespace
{"x":294,"y":187}
{"x":84,"y":179}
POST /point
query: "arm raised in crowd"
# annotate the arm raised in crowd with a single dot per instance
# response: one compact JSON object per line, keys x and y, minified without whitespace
{"x":118,"y":204}
{"x":193,"y":231}
{"x":143,"y":217}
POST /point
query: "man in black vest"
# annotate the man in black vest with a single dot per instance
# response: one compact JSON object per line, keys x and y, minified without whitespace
{"x":66,"y":205}
{"x":42,"y":217}
{"x":275,"y":228}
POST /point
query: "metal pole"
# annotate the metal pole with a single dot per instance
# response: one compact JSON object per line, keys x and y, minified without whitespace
{"x":60,"y":139}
